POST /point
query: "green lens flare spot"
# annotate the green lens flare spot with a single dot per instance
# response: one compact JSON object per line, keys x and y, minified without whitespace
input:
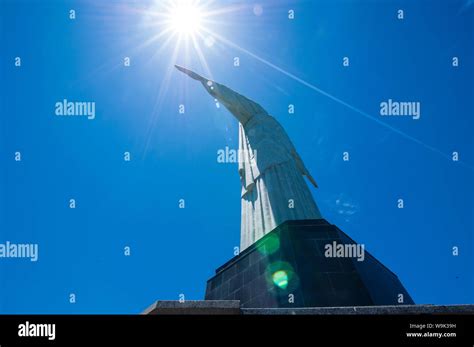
{"x":280,"y":278}
{"x":271,"y":245}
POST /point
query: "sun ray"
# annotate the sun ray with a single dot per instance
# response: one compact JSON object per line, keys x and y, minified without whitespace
{"x":184,"y":23}
{"x":201,"y":57}
{"x":224,"y":10}
{"x":164,"y":86}
{"x":336,"y":99}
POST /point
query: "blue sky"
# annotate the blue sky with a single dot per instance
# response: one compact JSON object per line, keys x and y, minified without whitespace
{"x":174,"y":156}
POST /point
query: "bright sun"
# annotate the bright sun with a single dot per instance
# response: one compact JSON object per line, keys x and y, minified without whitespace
{"x":185,"y":18}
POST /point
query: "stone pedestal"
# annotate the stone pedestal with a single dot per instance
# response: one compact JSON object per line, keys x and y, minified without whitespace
{"x":289,"y":267}
{"x":194,"y":307}
{"x":211,"y":307}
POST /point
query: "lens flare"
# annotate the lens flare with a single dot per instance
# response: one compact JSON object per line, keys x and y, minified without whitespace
{"x":280,"y":279}
{"x":271,"y":244}
{"x":281,"y":275}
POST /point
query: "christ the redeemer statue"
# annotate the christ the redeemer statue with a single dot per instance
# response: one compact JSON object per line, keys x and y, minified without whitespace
{"x":271,"y":171}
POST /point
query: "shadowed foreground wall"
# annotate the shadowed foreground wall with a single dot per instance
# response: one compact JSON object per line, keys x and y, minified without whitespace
{"x":288,"y":268}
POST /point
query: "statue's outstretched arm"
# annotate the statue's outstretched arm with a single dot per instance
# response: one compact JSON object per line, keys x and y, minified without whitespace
{"x":240,"y":106}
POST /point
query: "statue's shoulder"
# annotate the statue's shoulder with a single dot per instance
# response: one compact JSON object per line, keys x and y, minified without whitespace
{"x":264,"y":118}
{"x":264,"y":126}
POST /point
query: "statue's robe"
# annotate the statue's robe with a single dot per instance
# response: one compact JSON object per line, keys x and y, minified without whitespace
{"x":271,"y":171}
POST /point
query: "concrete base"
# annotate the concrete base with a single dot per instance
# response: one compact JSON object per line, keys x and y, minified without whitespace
{"x":193,"y":307}
{"x":366,"y":310}
{"x":232,"y":307}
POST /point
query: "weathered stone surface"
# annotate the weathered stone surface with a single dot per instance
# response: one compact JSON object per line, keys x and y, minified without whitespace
{"x":194,"y":307}
{"x":365,"y":310}
{"x":232,"y":307}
